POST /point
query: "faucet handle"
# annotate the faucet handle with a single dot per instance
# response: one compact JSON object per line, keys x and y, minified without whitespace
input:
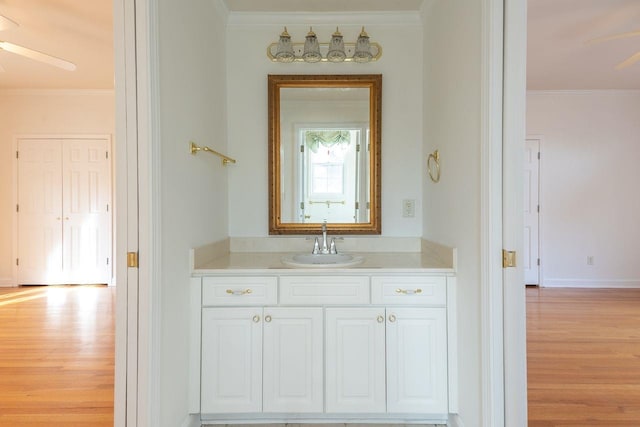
{"x":332,"y":248}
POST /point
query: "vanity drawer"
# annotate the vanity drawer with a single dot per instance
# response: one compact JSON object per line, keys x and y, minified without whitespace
{"x":313,"y":290}
{"x":409,"y":290}
{"x":239,"y":290}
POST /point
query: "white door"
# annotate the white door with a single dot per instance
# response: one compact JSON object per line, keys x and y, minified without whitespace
{"x":64,"y":218}
{"x":39,"y":211}
{"x":355,"y":360}
{"x":417,"y":360}
{"x":86,"y":200}
{"x":231,"y":360}
{"x":293,"y":359}
{"x":531,"y":255}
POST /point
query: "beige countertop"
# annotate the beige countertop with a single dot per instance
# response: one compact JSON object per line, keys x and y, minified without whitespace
{"x":271,"y":262}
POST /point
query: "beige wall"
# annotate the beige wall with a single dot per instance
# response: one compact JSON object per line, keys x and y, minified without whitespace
{"x":41,"y":112}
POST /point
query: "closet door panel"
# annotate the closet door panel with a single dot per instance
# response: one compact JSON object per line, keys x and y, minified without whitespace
{"x":39,"y":211}
{"x":86,"y":203}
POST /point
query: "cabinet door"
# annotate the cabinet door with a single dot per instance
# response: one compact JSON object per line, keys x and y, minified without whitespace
{"x":293,"y":358}
{"x":355,"y":360}
{"x":231,"y":360}
{"x":416,"y":360}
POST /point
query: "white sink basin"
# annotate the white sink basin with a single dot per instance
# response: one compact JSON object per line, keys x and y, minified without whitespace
{"x":322,"y":261}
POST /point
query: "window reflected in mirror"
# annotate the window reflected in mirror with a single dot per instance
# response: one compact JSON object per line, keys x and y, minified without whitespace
{"x":324,"y":153}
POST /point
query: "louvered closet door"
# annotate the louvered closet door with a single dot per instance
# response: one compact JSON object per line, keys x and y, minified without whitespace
{"x":85,"y":204}
{"x":40,"y":211}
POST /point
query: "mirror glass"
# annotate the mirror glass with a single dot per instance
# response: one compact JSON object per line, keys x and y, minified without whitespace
{"x":324,"y":153}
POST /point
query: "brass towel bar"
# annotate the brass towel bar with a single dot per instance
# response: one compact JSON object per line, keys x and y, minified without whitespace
{"x":225,"y":159}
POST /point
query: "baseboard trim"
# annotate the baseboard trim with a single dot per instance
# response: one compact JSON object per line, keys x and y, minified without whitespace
{"x":583,"y":283}
{"x":8,"y":283}
{"x":191,"y":421}
{"x":455,"y":421}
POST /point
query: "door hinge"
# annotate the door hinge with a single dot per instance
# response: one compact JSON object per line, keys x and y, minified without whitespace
{"x":132,"y":259}
{"x":301,"y":206}
{"x":538,"y":208}
{"x":357,"y":205}
{"x":107,"y":207}
{"x":508,"y":258}
{"x":538,"y":155}
{"x":17,"y":208}
{"x":107,"y":260}
{"x":538,"y":262}
{"x":17,"y":261}
{"x":106,"y":155}
{"x":17,"y":155}
{"x":302,"y":148}
{"x":358,"y":148}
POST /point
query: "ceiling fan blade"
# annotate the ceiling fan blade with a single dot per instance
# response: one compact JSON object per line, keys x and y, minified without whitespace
{"x":629,"y":61}
{"x":6,"y":23}
{"x":614,"y":37}
{"x":37,"y":56}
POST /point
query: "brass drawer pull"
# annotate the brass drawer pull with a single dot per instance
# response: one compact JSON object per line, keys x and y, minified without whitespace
{"x":267,"y":318}
{"x":408,"y":291}
{"x":392,"y":318}
{"x":380,"y":318}
{"x":243,"y":292}
{"x":256,"y":318}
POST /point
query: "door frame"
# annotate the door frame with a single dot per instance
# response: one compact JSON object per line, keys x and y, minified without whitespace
{"x":514,"y":135}
{"x":14,"y":190}
{"x":136,"y":160}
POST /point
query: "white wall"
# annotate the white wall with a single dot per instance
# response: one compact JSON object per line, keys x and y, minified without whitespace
{"x":590,"y":203}
{"x":248,"y":67}
{"x":452,"y":74}
{"x":42,"y":112}
{"x":193,"y":189}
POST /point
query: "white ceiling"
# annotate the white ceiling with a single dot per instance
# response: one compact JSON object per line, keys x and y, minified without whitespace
{"x":558,"y":56}
{"x":80,"y":31}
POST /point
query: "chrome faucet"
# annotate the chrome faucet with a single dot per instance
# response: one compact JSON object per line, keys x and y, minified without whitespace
{"x":326,"y":247}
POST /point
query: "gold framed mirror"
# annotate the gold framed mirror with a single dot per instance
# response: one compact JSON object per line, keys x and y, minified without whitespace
{"x":324,"y":153}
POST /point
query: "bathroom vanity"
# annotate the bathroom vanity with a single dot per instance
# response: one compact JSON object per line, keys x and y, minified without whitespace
{"x":375,"y":342}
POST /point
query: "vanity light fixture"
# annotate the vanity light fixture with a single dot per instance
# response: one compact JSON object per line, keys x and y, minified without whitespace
{"x":336,"y":50}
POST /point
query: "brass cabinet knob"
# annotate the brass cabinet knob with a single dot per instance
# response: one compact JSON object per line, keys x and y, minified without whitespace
{"x":380,"y":318}
{"x":256,"y":318}
{"x":392,"y":318}
{"x":267,"y":318}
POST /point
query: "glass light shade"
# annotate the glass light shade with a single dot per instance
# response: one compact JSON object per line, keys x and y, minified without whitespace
{"x":311,"y":48}
{"x":284,"y":52}
{"x":336,"y":48}
{"x":363,"y":49}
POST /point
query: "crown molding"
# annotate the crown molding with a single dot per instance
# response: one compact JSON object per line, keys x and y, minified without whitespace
{"x":319,"y":18}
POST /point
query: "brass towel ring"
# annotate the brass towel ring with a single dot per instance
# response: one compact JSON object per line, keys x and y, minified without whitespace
{"x":434,"y":174}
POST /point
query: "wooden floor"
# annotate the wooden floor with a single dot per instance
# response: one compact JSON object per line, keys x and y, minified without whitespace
{"x":57,"y":356}
{"x":583,"y":348}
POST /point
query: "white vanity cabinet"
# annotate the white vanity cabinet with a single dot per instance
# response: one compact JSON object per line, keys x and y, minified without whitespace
{"x":355,"y":360}
{"x":231,"y":360}
{"x":404,"y":348}
{"x":416,"y":360}
{"x":374,"y":347}
{"x":292,"y":360}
